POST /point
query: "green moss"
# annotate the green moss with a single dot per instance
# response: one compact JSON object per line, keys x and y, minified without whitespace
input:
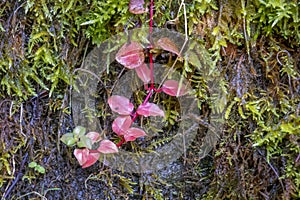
{"x":101,"y":19}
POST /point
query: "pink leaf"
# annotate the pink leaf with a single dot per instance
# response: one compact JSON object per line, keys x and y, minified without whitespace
{"x":120,"y":104}
{"x":107,"y":146}
{"x":150,"y":109}
{"x":81,"y":155}
{"x":171,"y":87}
{"x":131,"y":55}
{"x":133,"y":133}
{"x":121,"y":124}
{"x":168,"y":45}
{"x":143,"y":73}
{"x":137,"y":7}
{"x":85,"y":158}
{"x":94,"y":136}
{"x":91,"y":159}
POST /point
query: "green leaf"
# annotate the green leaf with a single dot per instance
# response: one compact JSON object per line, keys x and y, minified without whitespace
{"x":68,"y":139}
{"x":71,"y":3}
{"x":32,"y":164}
{"x":187,"y":66}
{"x":39,"y":35}
{"x":1,"y":28}
{"x":223,"y":42}
{"x":90,"y":22}
{"x":79,"y":131}
{"x":85,"y":141}
{"x":288,"y":128}
{"x":241,"y":112}
{"x":215,"y":31}
{"x":193,"y":59}
{"x":40,"y":169}
{"x":228,"y":110}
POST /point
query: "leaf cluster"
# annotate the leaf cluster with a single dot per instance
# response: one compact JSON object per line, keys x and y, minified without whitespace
{"x":90,"y":145}
{"x":37,"y":167}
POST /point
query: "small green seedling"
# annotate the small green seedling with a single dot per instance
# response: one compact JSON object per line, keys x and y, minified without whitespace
{"x":37,"y":167}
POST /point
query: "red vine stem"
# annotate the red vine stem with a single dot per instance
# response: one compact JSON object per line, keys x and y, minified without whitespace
{"x":151,"y":16}
{"x":151,"y":45}
{"x":121,"y":142}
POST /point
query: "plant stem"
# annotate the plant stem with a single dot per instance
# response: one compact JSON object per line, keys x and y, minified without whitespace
{"x":148,"y":96}
{"x":121,"y":142}
{"x":151,"y":45}
{"x":151,"y":71}
{"x":151,"y":16}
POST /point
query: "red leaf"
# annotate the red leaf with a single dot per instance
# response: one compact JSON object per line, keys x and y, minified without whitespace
{"x":94,"y":136}
{"x":171,"y":88}
{"x":133,"y":133}
{"x":168,"y":45}
{"x":121,"y":124}
{"x":85,"y":158}
{"x":81,"y":155}
{"x":150,"y":109}
{"x":120,"y":105}
{"x":137,"y":7}
{"x":107,"y":146}
{"x":91,"y":159}
{"x":131,"y":55}
{"x":143,"y":73}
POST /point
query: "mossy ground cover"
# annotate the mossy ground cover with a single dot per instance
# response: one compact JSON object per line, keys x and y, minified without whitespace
{"x":255,"y":45}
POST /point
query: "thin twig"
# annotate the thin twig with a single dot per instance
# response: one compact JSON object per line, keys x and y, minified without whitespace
{"x":34,"y":192}
{"x":151,"y":45}
{"x":89,"y":72}
{"x":282,"y":51}
{"x":118,"y":78}
{"x":20,"y":121}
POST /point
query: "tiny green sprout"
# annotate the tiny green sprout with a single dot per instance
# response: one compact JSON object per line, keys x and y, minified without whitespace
{"x":37,"y":167}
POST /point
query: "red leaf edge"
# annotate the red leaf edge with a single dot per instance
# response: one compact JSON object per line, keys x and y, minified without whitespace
{"x":171,"y":87}
{"x":94,"y":136}
{"x":120,"y":105}
{"x":143,"y":73}
{"x":168,"y":45}
{"x":107,"y":146}
{"x":134,"y":133}
{"x":121,"y":124}
{"x":131,"y":55}
{"x":150,"y":109}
